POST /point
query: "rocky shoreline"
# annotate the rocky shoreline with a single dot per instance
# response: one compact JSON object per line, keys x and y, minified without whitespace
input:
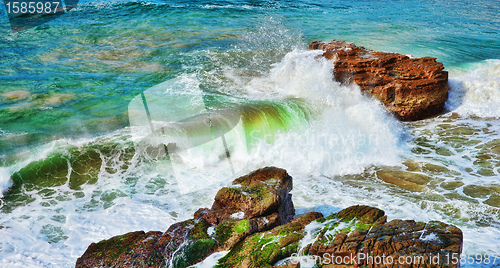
{"x":252,"y":223}
{"x":411,"y":88}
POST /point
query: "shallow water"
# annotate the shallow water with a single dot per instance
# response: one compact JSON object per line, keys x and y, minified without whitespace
{"x":72,"y":173}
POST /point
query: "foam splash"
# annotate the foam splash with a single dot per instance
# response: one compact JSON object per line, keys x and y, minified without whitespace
{"x":327,"y":131}
{"x":136,"y":193}
{"x":476,"y":92}
{"x":211,"y":260}
{"x":5,"y":181}
{"x":57,"y":223}
{"x":329,"y":196}
{"x":347,"y":131}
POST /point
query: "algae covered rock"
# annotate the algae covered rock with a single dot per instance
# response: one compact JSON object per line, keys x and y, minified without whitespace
{"x":265,"y":249}
{"x":186,"y":243}
{"x":358,"y":236}
{"x":254,"y":203}
{"x":258,"y":194}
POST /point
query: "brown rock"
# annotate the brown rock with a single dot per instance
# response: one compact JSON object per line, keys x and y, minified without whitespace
{"x":260,"y":193}
{"x":372,"y":239}
{"x":265,"y":249}
{"x":136,"y":249}
{"x":249,"y":220}
{"x":411,"y":88}
{"x":407,"y":180}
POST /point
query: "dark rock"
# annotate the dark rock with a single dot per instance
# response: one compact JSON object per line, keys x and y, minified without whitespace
{"x":358,"y":236}
{"x":411,"y":88}
{"x":258,"y":194}
{"x":364,"y":233}
{"x":186,"y":243}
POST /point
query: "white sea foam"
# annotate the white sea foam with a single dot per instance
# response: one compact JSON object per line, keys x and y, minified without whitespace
{"x":476,"y":92}
{"x":329,"y":196}
{"x":54,"y":230}
{"x":211,"y":260}
{"x":350,"y":131}
{"x":430,"y":237}
{"x":238,"y":215}
{"x":5,"y":181}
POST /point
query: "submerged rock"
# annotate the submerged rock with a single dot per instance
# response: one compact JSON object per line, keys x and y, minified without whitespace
{"x":16,"y":95}
{"x":411,"y":88}
{"x":252,"y":220}
{"x":407,"y":180}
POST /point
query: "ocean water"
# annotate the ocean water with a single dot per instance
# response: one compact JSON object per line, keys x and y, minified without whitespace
{"x":74,"y":169}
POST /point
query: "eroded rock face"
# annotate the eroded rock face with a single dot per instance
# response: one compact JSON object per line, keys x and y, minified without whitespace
{"x":136,"y":249}
{"x":265,"y":249}
{"x":262,"y":193}
{"x":411,"y":88}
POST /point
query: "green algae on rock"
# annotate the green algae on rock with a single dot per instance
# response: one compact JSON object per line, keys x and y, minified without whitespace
{"x":266,"y":248}
{"x":254,"y":203}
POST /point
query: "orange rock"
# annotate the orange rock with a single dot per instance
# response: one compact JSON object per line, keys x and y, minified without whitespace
{"x":411,"y":88}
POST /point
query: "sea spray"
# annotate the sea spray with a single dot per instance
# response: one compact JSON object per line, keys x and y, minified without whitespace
{"x":5,"y":181}
{"x":346,"y":131}
{"x":477,"y":91}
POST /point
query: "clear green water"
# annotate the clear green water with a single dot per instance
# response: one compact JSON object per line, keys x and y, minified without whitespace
{"x":68,"y":156}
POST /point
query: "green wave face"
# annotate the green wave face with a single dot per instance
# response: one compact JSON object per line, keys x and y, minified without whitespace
{"x":67,"y":171}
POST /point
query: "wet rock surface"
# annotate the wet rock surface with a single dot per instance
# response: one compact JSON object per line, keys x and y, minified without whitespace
{"x":411,"y":88}
{"x":252,"y":220}
{"x":265,"y":249}
{"x":136,"y":249}
{"x":262,"y":193}
{"x":361,"y":236}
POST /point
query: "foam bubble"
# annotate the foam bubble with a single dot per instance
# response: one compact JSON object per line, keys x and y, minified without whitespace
{"x":58,"y":223}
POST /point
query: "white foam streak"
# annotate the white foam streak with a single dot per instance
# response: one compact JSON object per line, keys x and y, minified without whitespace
{"x":211,"y":260}
{"x":27,"y":243}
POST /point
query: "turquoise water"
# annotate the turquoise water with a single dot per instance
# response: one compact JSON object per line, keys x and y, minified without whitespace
{"x":69,"y":164}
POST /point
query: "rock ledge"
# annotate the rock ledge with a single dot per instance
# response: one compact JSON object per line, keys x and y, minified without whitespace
{"x":411,"y":88}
